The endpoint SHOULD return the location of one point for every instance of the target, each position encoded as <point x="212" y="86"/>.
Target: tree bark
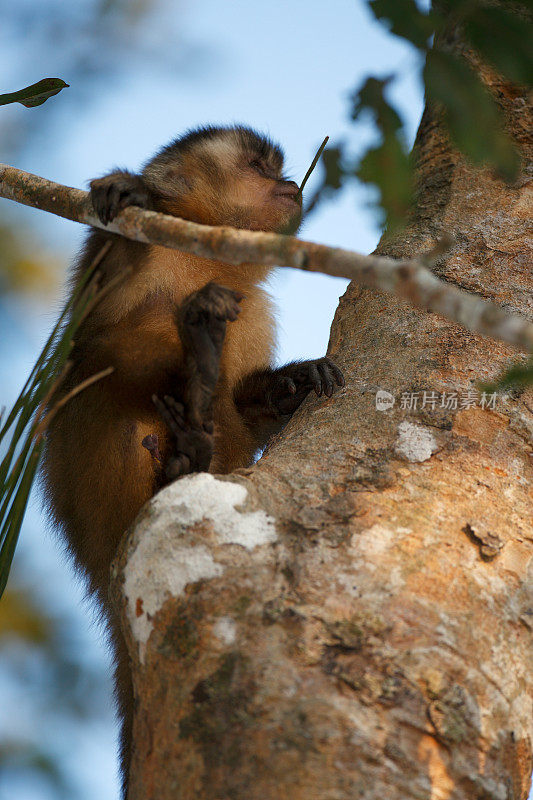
<point x="352" y="617"/>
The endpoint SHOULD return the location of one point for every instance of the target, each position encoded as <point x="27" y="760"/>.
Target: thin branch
<point x="48" y="417"/>
<point x="314" y="162"/>
<point x="408" y="279"/>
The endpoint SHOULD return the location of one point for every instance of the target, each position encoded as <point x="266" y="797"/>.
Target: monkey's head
<point x="226" y="176"/>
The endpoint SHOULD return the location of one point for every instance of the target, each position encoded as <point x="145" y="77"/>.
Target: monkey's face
<point x="231" y="179"/>
<point x="259" y="198"/>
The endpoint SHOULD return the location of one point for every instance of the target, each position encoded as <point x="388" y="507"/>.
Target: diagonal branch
<point x="408" y="279"/>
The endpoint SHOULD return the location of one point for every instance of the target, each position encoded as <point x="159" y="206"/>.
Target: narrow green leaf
<point x="16" y="515"/>
<point x="472" y="117"/>
<point x="19" y="464"/>
<point x="36" y="94"/>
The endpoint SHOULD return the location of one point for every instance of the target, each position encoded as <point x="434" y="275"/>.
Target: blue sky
<point x="288" y="69"/>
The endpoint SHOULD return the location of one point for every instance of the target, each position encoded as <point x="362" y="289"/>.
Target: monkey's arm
<point x="267" y="398"/>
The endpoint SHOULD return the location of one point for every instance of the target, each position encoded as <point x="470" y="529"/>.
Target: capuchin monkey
<point x="191" y="343"/>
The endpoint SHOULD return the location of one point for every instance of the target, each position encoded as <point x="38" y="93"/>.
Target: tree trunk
<point x="352" y="617"/>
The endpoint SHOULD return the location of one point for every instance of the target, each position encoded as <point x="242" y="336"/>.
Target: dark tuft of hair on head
<point x="252" y="141"/>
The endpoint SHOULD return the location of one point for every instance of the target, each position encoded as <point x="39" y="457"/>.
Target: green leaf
<point x="370" y="97"/>
<point x="518" y="375"/>
<point x="19" y="464"/>
<point x="472" y="117"/>
<point x="504" y="40"/>
<point x="405" y="19"/>
<point x="36" y="94"/>
<point x="333" y="170"/>
<point x="387" y="166"/>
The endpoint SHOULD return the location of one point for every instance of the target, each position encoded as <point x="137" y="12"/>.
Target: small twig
<point x="408" y="279"/>
<point x="101" y="293"/>
<point x="97" y="260"/>
<point x="314" y="162"/>
<point x="48" y="417"/>
<point x="52" y="390"/>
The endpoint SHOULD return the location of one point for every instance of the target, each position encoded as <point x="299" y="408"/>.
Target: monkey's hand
<point x="267" y="398"/>
<point x="116" y="191"/>
<point x="291" y="384"/>
<point x="193" y="448"/>
<point x="202" y="322"/>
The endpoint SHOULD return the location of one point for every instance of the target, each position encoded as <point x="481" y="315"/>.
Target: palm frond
<point x="25" y="424"/>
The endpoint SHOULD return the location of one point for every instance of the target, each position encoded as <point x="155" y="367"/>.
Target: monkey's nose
<point x="288" y="189"/>
<point x="293" y="186"/>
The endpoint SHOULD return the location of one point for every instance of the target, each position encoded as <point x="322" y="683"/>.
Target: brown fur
<point x="96" y="473"/>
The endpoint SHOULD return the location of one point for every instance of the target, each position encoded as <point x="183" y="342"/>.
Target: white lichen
<point x="414" y="442"/>
<point x="203" y="496"/>
<point x="225" y="630"/>
<point x="163" y="559"/>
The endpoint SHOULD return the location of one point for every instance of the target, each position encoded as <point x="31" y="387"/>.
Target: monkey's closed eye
<point x="263" y="169"/>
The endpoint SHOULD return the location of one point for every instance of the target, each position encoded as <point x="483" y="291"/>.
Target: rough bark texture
<point x="352" y="618"/>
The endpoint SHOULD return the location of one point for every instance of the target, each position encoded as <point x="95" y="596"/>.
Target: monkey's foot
<point x="193" y="448"/>
<point x="292" y="384"/>
<point x="205" y="313"/>
<point x="112" y="193"/>
<point x="202" y="321"/>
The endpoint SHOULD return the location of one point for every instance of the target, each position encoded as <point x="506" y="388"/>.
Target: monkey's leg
<point x="267" y="398"/>
<point x="202" y="319"/>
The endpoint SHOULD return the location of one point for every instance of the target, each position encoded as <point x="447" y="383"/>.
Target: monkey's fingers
<point x="337" y="373"/>
<point x="177" y="466"/>
<point x="210" y="301"/>
<point x="315" y="378"/>
<point x="177" y="411"/>
<point x="223" y="302"/>
<point x="287" y="394"/>
<point x="167" y="413"/>
<point x="112" y="193"/>
<point x="325" y="372"/>
<point x="327" y="377"/>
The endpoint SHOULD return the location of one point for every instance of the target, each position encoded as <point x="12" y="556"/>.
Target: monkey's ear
<point x="166" y="179"/>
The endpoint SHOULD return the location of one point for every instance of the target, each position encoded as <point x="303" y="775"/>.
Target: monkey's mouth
<point x="290" y="198"/>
